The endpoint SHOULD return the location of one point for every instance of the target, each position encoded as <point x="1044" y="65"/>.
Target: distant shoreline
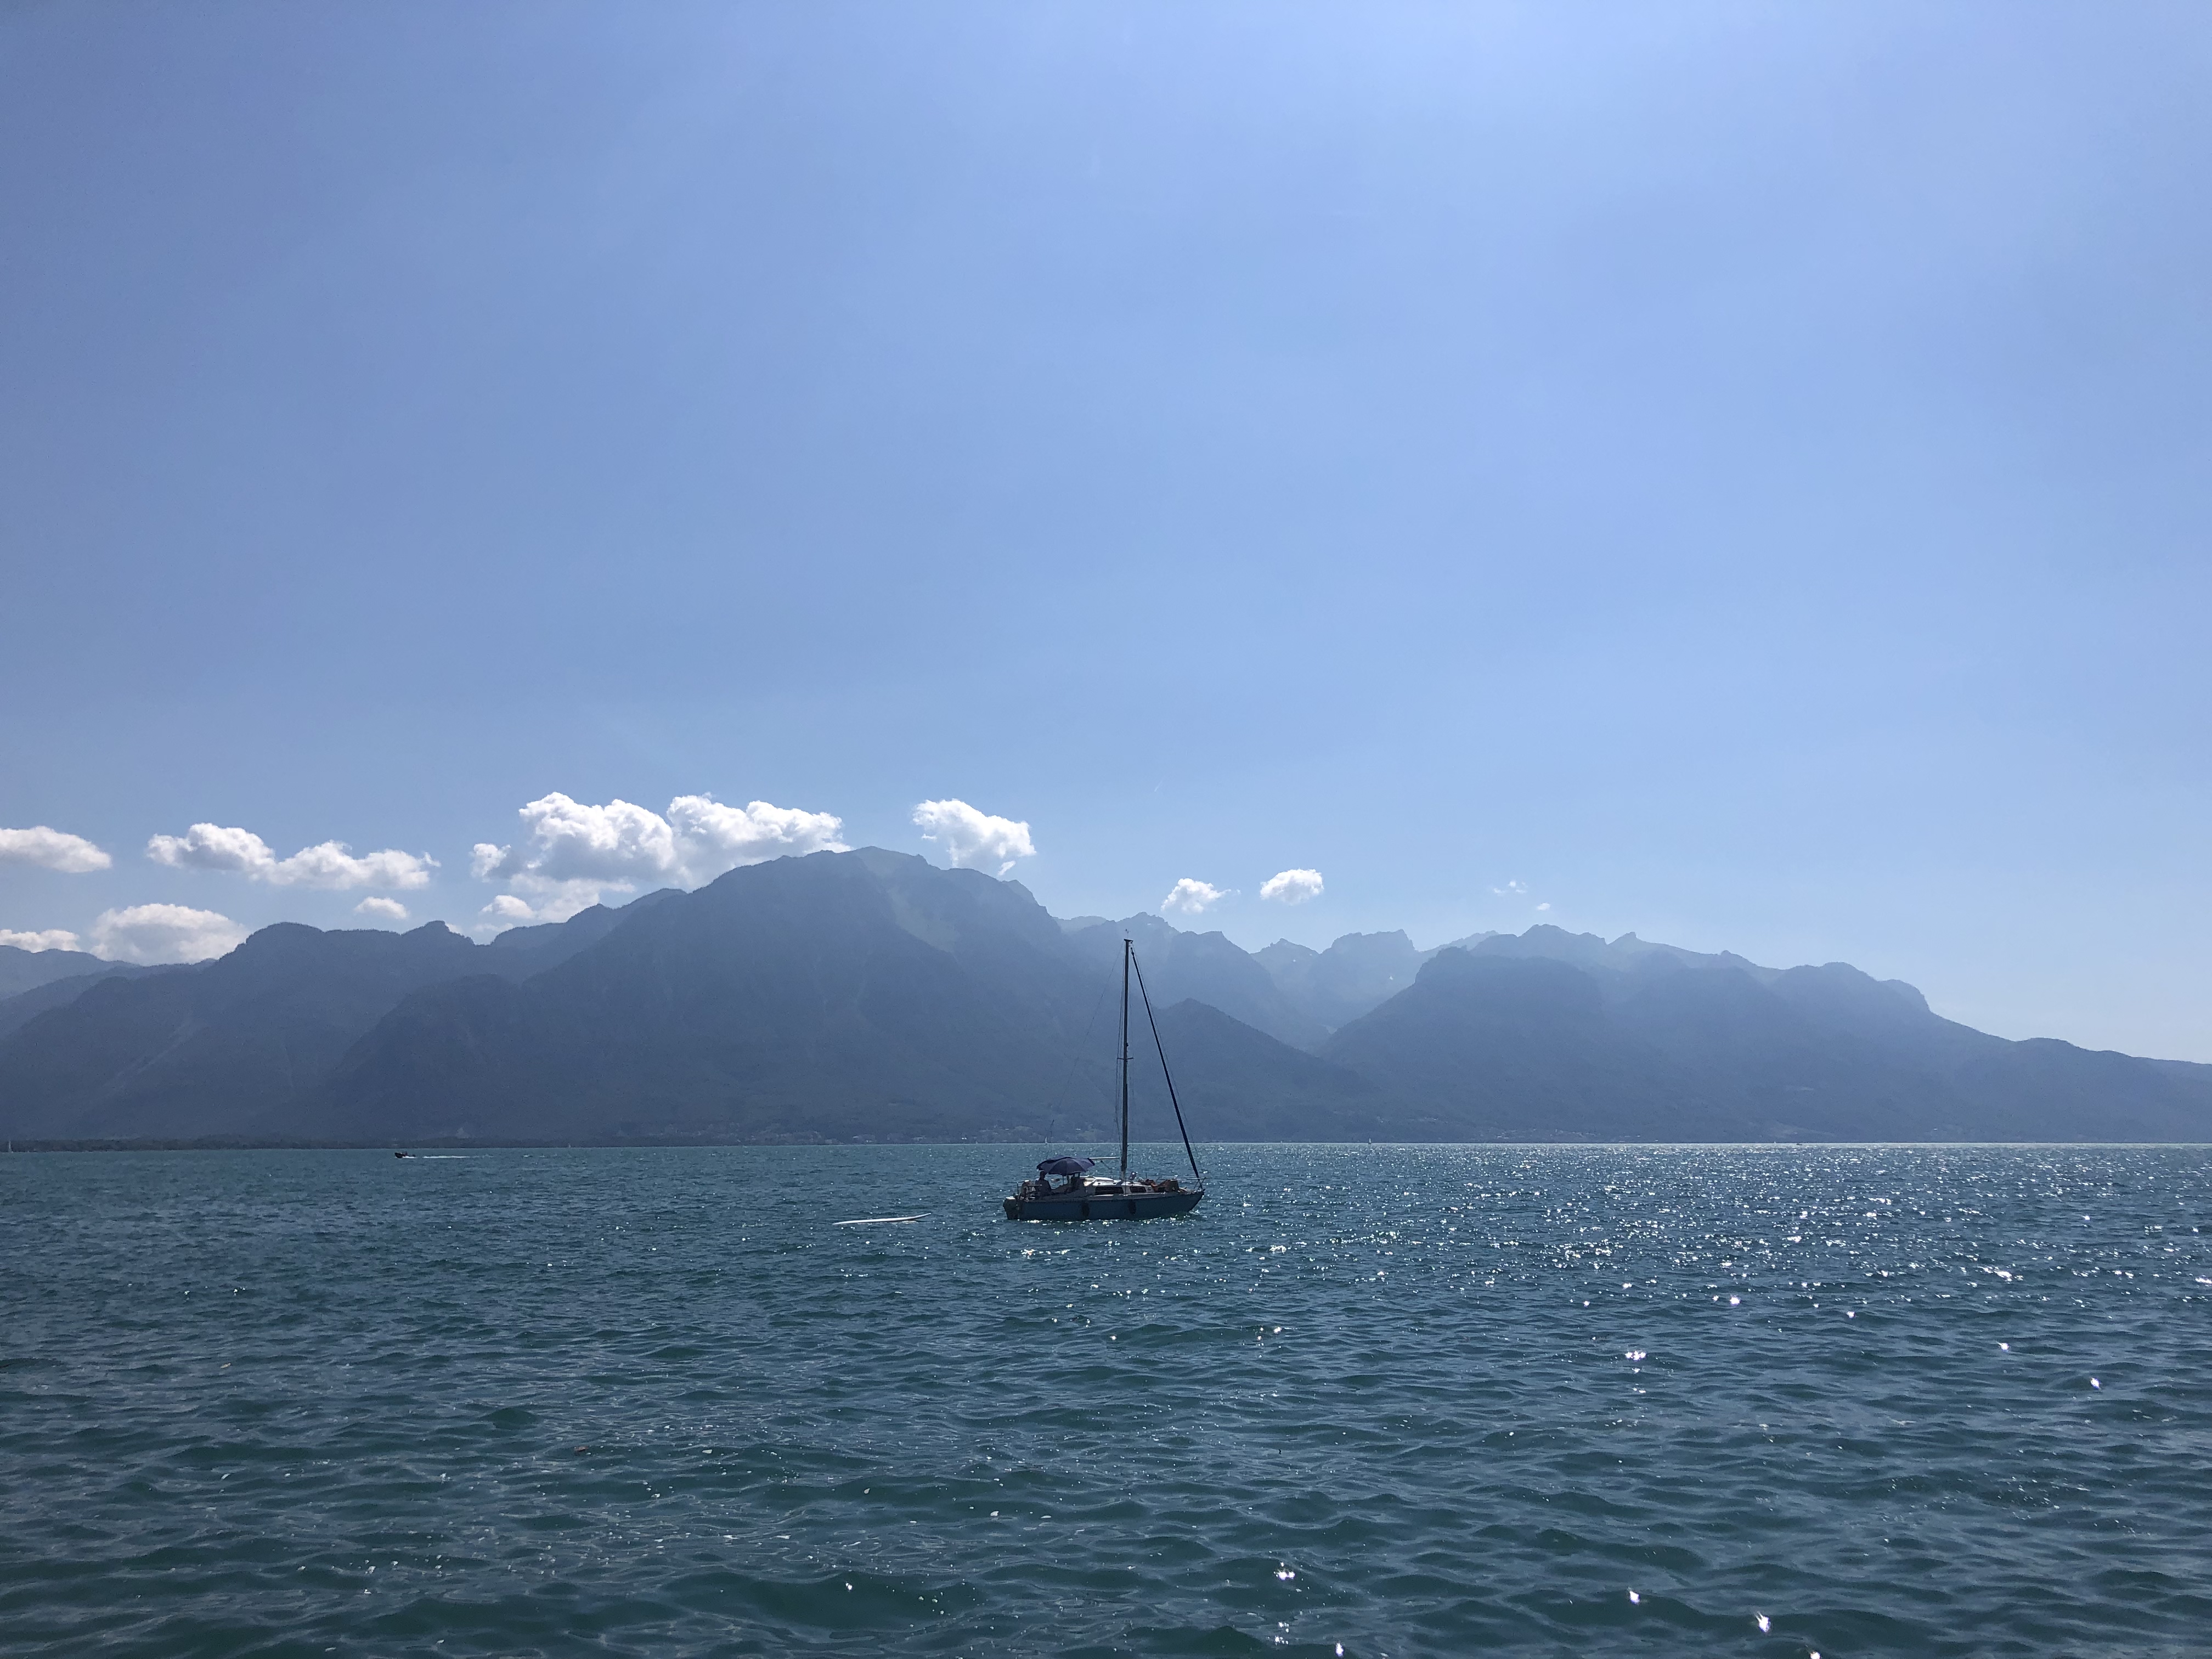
<point x="238" y="1143"/>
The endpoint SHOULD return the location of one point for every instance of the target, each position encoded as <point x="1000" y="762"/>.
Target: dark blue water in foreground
<point x="1411" y="1400"/>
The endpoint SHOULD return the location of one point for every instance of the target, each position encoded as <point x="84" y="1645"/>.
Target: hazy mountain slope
<point x="1528" y="1044"/>
<point x="22" y="970"/>
<point x="1238" y="1084"/>
<point x="1503" y="1049"/>
<point x="2190" y="1071"/>
<point x="1466" y="943"/>
<point x="1235" y="1083"/>
<point x="230" y="1046"/>
<point x="1287" y="963"/>
<point x="522" y="951"/>
<point x="1588" y="950"/>
<point x="20" y="1010"/>
<point x="1357" y="973"/>
<point x="1206" y="967"/>
<point x="861" y="993"/>
<point x="2044" y="1089"/>
<point x="216" y="1050"/>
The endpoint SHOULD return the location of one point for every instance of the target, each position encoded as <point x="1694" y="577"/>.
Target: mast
<point x="1127" y="947"/>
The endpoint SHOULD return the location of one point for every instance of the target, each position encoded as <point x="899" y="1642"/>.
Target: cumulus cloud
<point x="390" y="908"/>
<point x="546" y="901"/>
<point x="163" y="932"/>
<point x="1192" y="897"/>
<point x="712" y="837"/>
<point x="52" y="849"/>
<point x="1546" y="905"/>
<point x="973" y="840"/>
<point x="51" y="938"/>
<point x="1291" y="886"/>
<point x="565" y="839"/>
<point x="329" y="864"/>
<point x="570" y="851"/>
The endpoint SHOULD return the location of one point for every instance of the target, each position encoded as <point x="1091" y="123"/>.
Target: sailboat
<point x="1082" y="1196"/>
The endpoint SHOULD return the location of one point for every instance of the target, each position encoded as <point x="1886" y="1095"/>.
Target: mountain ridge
<point x="872" y="996"/>
<point x="22" y="970"/>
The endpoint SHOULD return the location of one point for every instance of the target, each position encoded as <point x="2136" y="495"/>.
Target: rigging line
<point x="1196" y="1174"/>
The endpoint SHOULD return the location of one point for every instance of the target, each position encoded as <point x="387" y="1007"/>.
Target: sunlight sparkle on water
<point x="647" y="1350"/>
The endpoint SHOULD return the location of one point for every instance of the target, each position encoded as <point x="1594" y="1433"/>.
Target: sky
<point x="1736" y="473"/>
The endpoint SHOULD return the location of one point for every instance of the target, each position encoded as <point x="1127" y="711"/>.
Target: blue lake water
<point x="1409" y="1400"/>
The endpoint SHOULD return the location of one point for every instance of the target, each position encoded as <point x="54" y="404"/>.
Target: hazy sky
<point x="1739" y="473"/>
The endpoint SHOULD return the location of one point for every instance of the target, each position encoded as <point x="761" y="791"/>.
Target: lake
<point x="1370" y="1400"/>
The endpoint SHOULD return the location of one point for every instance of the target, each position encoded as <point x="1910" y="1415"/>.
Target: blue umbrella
<point x="1066" y="1166"/>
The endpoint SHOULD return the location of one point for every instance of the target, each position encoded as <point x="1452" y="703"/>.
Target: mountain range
<point x="871" y="995"/>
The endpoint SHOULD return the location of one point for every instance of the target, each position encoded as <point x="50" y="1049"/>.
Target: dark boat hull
<point x="1101" y="1206"/>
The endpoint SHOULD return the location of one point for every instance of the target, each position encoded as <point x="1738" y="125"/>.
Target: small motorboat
<point x="1079" y="1196"/>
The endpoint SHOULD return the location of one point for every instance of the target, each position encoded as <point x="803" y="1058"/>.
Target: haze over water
<point x="1404" y="1400"/>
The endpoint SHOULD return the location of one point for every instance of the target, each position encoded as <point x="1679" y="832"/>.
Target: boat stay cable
<point x="1196" y="1173"/>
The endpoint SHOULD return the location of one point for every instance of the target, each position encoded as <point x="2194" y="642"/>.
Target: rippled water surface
<point x="1405" y="1399"/>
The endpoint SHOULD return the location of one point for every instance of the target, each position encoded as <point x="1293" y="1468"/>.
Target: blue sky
<point x="1738" y="473"/>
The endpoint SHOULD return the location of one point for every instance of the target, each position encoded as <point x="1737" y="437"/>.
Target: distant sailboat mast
<point x="1128" y="947"/>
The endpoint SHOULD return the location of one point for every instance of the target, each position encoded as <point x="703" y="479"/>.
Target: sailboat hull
<point x="1101" y="1206"/>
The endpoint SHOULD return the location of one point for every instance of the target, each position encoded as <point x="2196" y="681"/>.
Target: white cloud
<point x="712" y="837"/>
<point x="570" y="852"/>
<point x="1291" y="886"/>
<point x="550" y="900"/>
<point x="51" y="938"/>
<point x="618" y="844"/>
<point x="163" y="932"/>
<point x="390" y="908"/>
<point x="1546" y="905"/>
<point x="1192" y="897"/>
<point x="211" y="846"/>
<point x="973" y="839"/>
<point x="52" y="849"/>
<point x="329" y="864"/>
<point x="565" y="839"/>
<point x="1512" y="889"/>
